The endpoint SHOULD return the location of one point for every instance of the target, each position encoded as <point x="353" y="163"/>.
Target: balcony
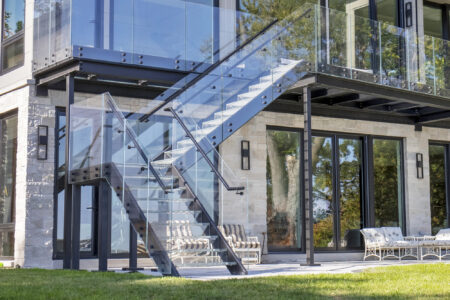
<point x="180" y="35"/>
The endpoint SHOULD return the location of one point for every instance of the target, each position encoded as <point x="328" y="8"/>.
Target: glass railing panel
<point x="334" y="56"/>
<point x="392" y="55"/>
<point x="87" y="133"/>
<point x="363" y="49"/>
<point x="442" y="66"/>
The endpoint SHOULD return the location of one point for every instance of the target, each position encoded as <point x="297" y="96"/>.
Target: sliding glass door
<point x="439" y="186"/>
<point x="284" y="227"/>
<point x="337" y="192"/>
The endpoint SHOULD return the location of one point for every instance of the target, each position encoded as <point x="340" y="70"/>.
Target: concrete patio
<point x="263" y="270"/>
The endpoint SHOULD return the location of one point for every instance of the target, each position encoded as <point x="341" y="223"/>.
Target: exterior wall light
<point x="245" y="155"/>
<point x="419" y="165"/>
<point x="42" y="148"/>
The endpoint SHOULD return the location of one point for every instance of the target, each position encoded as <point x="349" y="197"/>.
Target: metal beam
<point x="307" y="166"/>
<point x="349" y="97"/>
<point x="381" y="91"/>
<point x="434" y="117"/>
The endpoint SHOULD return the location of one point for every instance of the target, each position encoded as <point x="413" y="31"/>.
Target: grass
<point x="405" y="282"/>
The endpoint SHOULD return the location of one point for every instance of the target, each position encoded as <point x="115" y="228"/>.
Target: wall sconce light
<point x="42" y="142"/>
<point x="245" y="155"/>
<point x="419" y="165"/>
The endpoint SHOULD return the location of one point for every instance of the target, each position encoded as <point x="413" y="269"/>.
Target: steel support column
<point x="103" y="212"/>
<point x="70" y="87"/>
<point x="76" y="218"/>
<point x="307" y="166"/>
<point x="132" y="266"/>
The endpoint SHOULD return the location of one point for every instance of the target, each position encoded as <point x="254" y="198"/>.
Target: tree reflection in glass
<point x="323" y="209"/>
<point x="438" y="188"/>
<point x="350" y="192"/>
<point x="387" y="182"/>
<point x="283" y="189"/>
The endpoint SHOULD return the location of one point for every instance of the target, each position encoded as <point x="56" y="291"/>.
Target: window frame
<point x="446" y="146"/>
<point x="10" y="227"/>
<point x="445" y="11"/>
<point x="11" y="40"/>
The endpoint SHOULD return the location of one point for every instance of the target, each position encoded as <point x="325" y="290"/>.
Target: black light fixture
<point x="245" y="155"/>
<point x="42" y="148"/>
<point x="419" y="165"/>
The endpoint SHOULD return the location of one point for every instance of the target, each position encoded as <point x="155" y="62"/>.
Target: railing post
<point x="307" y="166"/>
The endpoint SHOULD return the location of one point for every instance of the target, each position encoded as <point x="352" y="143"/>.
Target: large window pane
<point x="432" y="21"/>
<point x="283" y="190"/>
<point x="323" y="208"/>
<point x="12" y="54"/>
<point x="350" y="204"/>
<point x="388" y="184"/>
<point x="7" y="243"/>
<point x="438" y="163"/>
<point x="13" y="17"/>
<point x="8" y="142"/>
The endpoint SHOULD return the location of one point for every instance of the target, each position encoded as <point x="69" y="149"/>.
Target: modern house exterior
<point x="141" y="129"/>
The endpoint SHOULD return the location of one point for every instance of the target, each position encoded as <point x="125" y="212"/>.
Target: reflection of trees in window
<point x="350" y="192"/>
<point x="387" y="182"/>
<point x="323" y="210"/>
<point x="283" y="189"/>
<point x="438" y="188"/>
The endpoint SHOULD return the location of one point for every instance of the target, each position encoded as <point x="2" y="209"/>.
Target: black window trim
<point x="445" y="9"/>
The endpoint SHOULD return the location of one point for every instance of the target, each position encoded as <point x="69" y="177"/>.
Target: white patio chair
<point x="405" y="246"/>
<point x="246" y="247"/>
<point x="373" y="242"/>
<point x="438" y="246"/>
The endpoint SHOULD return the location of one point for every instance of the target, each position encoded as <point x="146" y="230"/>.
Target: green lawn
<point x="406" y="282"/>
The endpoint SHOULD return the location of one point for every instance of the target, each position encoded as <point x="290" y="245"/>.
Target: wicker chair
<point x="438" y="246"/>
<point x="246" y="247"/>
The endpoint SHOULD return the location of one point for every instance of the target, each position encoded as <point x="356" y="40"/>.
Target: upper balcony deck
<point x="179" y="35"/>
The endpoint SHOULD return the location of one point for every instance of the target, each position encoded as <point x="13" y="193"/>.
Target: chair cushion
<point x="373" y="236"/>
<point x="435" y="243"/>
<point x="247" y="244"/>
<point x="192" y="244"/>
<point x="235" y="231"/>
<point x="443" y="235"/>
<point x="393" y="234"/>
<point x="402" y="244"/>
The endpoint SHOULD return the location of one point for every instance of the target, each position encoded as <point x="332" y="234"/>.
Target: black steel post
<point x="103" y="211"/>
<point x="132" y="266"/>
<point x="76" y="214"/>
<point x="70" y="87"/>
<point x="307" y="166"/>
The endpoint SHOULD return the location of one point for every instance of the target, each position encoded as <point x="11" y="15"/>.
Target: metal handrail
<point x="133" y="138"/>
<point x="202" y="152"/>
<point x="206" y="72"/>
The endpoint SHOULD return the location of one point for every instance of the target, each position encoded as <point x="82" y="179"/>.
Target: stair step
<point x="167" y="162"/>
<point x="175" y="153"/>
<point x="238" y="104"/>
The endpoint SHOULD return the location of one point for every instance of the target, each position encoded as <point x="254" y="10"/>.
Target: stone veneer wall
<point x="417" y="191"/>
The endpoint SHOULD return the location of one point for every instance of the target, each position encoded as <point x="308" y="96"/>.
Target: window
<point x="388" y="182"/>
<point x="12" y="38"/>
<point x="8" y="146"/>
<point x="439" y="185"/>
<point x="283" y="190"/>
<point x="436" y="20"/>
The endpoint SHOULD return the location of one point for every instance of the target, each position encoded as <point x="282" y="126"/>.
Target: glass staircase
<point x="161" y="158"/>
